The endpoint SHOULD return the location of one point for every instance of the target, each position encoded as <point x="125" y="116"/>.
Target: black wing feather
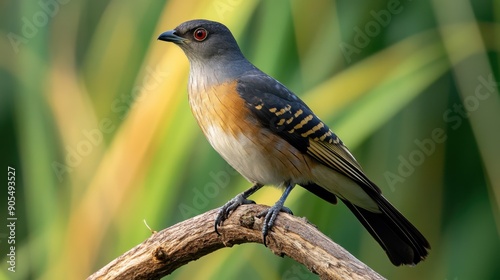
<point x="280" y="110"/>
<point x="275" y="106"/>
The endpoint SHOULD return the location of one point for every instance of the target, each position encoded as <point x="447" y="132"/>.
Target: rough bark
<point x="192" y="239"/>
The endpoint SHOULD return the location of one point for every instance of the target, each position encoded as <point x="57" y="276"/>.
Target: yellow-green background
<point x="86" y="69"/>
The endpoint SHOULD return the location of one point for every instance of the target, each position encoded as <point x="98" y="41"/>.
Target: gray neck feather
<point x="215" y="71"/>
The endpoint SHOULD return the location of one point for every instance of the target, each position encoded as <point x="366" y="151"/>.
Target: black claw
<point x="234" y="203"/>
<point x="227" y="208"/>
<point x="270" y="216"/>
<point x="286" y="210"/>
<point x="272" y="213"/>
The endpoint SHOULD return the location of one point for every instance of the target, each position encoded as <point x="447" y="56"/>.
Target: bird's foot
<point x="230" y="206"/>
<point x="234" y="203"/>
<point x="270" y="216"/>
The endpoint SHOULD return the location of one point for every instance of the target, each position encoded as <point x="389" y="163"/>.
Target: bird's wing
<point x="278" y="109"/>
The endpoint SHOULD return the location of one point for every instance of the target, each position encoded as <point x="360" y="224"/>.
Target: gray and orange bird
<point x="271" y="137"/>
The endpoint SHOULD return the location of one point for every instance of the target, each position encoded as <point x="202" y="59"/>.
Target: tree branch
<point x="171" y="248"/>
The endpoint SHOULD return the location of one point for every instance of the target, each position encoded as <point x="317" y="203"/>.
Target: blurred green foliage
<point x="95" y="121"/>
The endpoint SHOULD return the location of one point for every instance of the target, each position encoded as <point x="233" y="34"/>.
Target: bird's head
<point x="203" y="41"/>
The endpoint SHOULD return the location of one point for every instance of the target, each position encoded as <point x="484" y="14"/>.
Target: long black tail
<point x="402" y="242"/>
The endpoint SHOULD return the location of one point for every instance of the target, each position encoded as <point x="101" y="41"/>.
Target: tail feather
<point x="402" y="242"/>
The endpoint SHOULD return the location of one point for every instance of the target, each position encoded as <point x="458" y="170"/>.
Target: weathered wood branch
<point x="192" y="239"/>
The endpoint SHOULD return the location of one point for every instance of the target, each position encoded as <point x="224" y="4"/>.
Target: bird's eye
<point x="200" y="34"/>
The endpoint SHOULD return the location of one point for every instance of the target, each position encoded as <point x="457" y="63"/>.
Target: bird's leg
<point x="272" y="213"/>
<point x="232" y="204"/>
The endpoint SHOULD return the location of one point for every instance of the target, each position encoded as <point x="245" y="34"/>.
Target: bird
<point x="271" y="137"/>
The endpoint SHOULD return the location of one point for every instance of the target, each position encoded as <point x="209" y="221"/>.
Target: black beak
<point x="170" y="36"/>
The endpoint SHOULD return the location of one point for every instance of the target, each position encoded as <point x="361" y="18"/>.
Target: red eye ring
<point x="200" y="34"/>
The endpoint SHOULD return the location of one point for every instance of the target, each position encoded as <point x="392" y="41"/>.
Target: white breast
<point x="245" y="156"/>
<point x="255" y="152"/>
